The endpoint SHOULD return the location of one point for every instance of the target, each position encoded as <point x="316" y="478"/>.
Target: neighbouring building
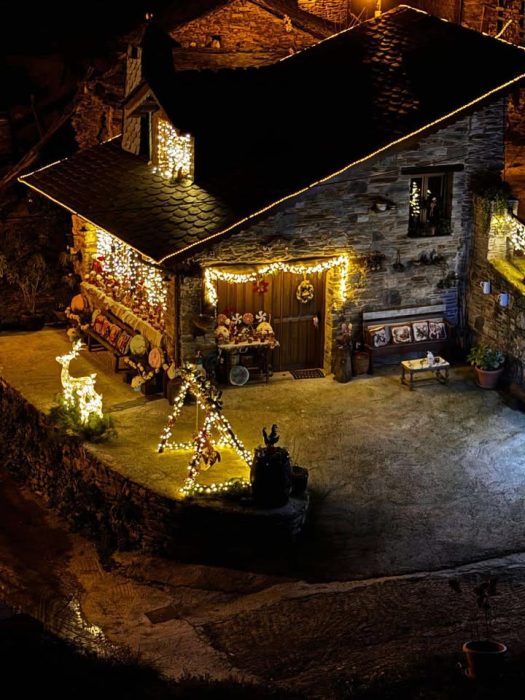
<point x="347" y="166"/>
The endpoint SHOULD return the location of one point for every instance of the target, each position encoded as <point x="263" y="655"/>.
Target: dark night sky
<point x="73" y="28"/>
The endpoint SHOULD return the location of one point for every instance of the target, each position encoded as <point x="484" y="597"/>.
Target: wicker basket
<point x="360" y="362"/>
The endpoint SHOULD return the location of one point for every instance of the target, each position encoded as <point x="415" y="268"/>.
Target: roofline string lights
<point x="212" y="274"/>
<point x="353" y="164"/>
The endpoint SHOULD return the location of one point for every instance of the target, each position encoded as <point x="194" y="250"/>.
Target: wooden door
<point x="301" y="341"/>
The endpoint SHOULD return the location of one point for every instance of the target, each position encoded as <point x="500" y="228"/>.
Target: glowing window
<point x="174" y="152"/>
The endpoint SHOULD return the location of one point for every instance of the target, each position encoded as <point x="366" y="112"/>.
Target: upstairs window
<point x="430" y="196"/>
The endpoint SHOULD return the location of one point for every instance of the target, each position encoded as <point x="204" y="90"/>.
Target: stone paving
<point x="408" y="487"/>
<point x="401" y="481"/>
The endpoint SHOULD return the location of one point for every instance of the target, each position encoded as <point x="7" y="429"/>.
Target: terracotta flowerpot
<point x="488" y="379"/>
<point x="484" y="659"/>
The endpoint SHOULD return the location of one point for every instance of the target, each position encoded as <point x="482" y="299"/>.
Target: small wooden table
<point x="253" y="356"/>
<point x="439" y="369"/>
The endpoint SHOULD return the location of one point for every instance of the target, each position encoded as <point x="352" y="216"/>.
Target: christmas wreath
<point x="305" y="291"/>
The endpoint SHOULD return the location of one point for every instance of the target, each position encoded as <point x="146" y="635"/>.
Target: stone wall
<point x="243" y="27"/>
<point x="119" y="513"/>
<point x="337" y="11"/>
<point x="339" y="216"/>
<point x="489" y="323"/>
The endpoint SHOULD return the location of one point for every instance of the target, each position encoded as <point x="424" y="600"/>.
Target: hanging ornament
<point x="260" y="286"/>
<point x="305" y="291"/>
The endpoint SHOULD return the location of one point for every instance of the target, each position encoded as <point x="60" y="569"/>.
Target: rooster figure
<point x="273" y="438"/>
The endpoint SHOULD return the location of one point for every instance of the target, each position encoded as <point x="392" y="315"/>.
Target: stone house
<point x="328" y="167"/>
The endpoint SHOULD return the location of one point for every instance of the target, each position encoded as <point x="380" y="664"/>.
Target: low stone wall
<point x="119" y="513"/>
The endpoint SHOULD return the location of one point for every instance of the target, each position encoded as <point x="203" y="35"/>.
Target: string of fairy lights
<point x="212" y="274"/>
<point x="517" y="235"/>
<point x="79" y="392"/>
<point x="174" y="152"/>
<point x="128" y="267"/>
<point x="209" y="399"/>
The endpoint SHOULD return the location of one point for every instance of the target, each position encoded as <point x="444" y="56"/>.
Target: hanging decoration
<point x="305" y="291"/>
<point x="260" y="286"/>
<point x="125" y="275"/>
<point x="204" y="450"/>
<point x="79" y="392"/>
<point x="212" y="274"/>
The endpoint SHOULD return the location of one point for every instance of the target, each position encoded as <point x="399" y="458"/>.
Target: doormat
<point x="159" y="615"/>
<point x="307" y="373"/>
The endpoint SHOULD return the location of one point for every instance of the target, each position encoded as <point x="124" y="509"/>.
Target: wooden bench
<point x="406" y="316"/>
<point x="96" y="343"/>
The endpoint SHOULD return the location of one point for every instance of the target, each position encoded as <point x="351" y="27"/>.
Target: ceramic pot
<point x="484" y="659"/>
<point x="488" y="379"/>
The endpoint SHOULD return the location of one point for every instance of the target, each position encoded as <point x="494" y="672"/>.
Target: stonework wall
<point x="339" y="216"/>
<point x="337" y="11"/>
<point x="121" y="514"/>
<point x="489" y="323"/>
<point x="243" y="27"/>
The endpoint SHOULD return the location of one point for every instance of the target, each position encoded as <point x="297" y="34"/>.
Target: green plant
<point x="494" y="191"/>
<point x="485" y="358"/>
<point x="97" y="429"/>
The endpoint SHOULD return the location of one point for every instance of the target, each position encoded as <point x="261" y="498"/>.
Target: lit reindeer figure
<point x="79" y="392"/>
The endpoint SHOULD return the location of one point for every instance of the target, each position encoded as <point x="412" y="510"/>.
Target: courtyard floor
<point x="401" y="481"/>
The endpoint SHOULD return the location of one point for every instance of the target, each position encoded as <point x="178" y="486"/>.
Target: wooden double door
<point x="301" y="340"/>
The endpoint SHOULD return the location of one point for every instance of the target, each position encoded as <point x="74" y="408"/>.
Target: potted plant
<point x="484" y="655"/>
<point x="488" y="363"/>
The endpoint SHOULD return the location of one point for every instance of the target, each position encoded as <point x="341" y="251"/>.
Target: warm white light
<point x="126" y="274"/>
<point x="79" y="392"/>
<point x="211" y="274"/>
<point x="174" y="152"/>
<point x="209" y="401"/>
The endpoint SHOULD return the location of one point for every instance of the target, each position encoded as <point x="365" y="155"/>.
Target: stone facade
<point x="121" y="514"/>
<point x="337" y="11"/>
<point x="241" y="27"/>
<point x="500" y="327"/>
<point x="339" y="216"/>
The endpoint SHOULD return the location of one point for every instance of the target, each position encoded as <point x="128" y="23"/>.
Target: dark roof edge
<point x="380" y="151"/>
<point x="23" y="181"/>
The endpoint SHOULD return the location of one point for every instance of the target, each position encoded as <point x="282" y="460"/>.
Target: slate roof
<point x="119" y="192"/>
<point x="264" y="134"/>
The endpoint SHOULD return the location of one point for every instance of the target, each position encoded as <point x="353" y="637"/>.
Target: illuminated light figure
<point x="79" y="392"/>
<point x="209" y="400"/>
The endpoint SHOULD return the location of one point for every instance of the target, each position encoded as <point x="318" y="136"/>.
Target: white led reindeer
<point x="79" y="391"/>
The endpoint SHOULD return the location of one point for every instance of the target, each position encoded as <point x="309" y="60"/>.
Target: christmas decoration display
<point x="241" y="328"/>
<point x="212" y="274"/>
<point x="260" y="286"/>
<point x="79" y="392"/>
<point x="174" y="152"/>
<point x="271" y="472"/>
<point x="305" y="291"/>
<point x="127" y="277"/>
<point x="204" y="450"/>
